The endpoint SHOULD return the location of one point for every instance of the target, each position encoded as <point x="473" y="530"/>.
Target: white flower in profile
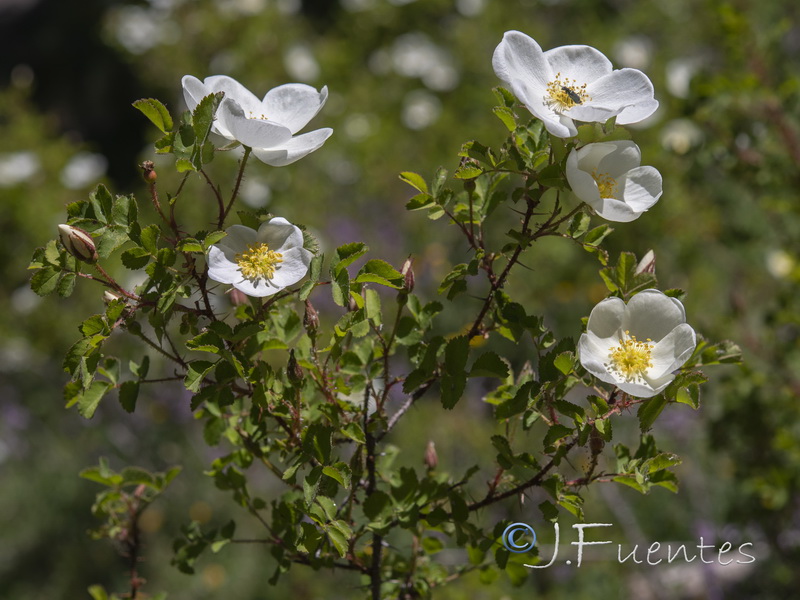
<point x="267" y="126"/>
<point x="571" y="82"/>
<point x="637" y="346"/>
<point x="260" y="263"/>
<point x="607" y="176"/>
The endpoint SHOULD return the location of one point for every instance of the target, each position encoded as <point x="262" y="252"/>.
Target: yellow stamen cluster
<point x="605" y="183"/>
<point x="259" y="261"/>
<point x="564" y="94"/>
<point x="631" y="359"/>
<point x="262" y="117"/>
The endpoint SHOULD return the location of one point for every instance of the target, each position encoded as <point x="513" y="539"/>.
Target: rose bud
<point x="647" y="264"/>
<point x="237" y="297"/>
<point x="431" y="458"/>
<point x="78" y="243"/>
<point x="408" y="274"/>
<point x="311" y="318"/>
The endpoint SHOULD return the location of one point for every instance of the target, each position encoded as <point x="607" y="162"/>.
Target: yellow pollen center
<point x="631" y="359"/>
<point x="261" y="117"/>
<point x="563" y="94"/>
<point x="605" y="183"/>
<point x="258" y="261"/>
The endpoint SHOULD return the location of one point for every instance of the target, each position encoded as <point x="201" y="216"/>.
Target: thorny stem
<point x="224" y="214"/>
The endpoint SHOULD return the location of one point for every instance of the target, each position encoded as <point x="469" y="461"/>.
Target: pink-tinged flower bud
<point x="431" y="458"/>
<point x="311" y="318"/>
<point x="647" y="264"/>
<point x="78" y="243"/>
<point x="149" y="171"/>
<point x="237" y="297"/>
<point x="408" y="275"/>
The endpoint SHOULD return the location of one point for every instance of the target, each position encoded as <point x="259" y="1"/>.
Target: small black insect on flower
<point x="572" y="95"/>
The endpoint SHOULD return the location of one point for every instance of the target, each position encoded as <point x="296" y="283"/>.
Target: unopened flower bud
<point x="237" y="297"/>
<point x="149" y="171"/>
<point x="109" y="296"/>
<point x="408" y="275"/>
<point x="311" y="318"/>
<point x="647" y="264"/>
<point x="431" y="458"/>
<point x="293" y="370"/>
<point x="78" y="243"/>
<point x="351" y="305"/>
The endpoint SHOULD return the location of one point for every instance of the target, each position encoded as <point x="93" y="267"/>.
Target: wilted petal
<point x="255" y="133"/>
<point x="294" y="149"/>
<point x="293" y="105"/>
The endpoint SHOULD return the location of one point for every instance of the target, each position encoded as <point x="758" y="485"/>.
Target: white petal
<point x="672" y="351"/>
<point x="235" y="91"/>
<point x="255" y="133"/>
<point x="638" y="112"/>
<point x="584" y="64"/>
<point x="558" y="125"/>
<point x="194" y="90"/>
<point x="519" y="57"/>
<point x="294" y="149"/>
<point x="582" y="183"/>
<point x="221" y="265"/>
<point x="617" y="211"/>
<point x="294" y="104"/>
<point x="644" y="390"/>
<point x="624" y="157"/>
<point x="258" y="288"/>
<point x="652" y="314"/>
<point x="593" y="358"/>
<point x="293" y="268"/>
<point x="591" y="113"/>
<point x="641" y="188"/>
<point x="280" y="235"/>
<point x="238" y="238"/>
<point x="607" y="318"/>
<point x="620" y="89"/>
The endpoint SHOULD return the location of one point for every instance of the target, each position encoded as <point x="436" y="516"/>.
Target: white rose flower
<point x="571" y="82"/>
<point x="607" y="176"/>
<point x="637" y="346"/>
<point x="260" y="263"/>
<point x="267" y="126"/>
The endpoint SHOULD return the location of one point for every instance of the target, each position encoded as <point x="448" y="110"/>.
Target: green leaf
<point x="597" y="235"/>
<point x="468" y="172"/>
<point x="196" y="372"/>
<point x="489" y="364"/>
<point x="66" y="285"/>
<point x="338" y="539"/>
<point x="454" y="379"/>
<point x="44" y="281"/>
<point x="415" y="180"/>
<point x="345" y="255"/>
<point x="506" y="115"/>
<point x="128" y="393"/>
<point x="339" y="474"/>
<point x="381" y="272"/>
<point x="156" y="112"/>
<point x="648" y="412"/>
<point x="89" y="400"/>
<point x="555" y="433"/>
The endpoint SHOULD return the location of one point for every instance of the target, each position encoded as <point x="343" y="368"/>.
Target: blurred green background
<point x="409" y="82"/>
